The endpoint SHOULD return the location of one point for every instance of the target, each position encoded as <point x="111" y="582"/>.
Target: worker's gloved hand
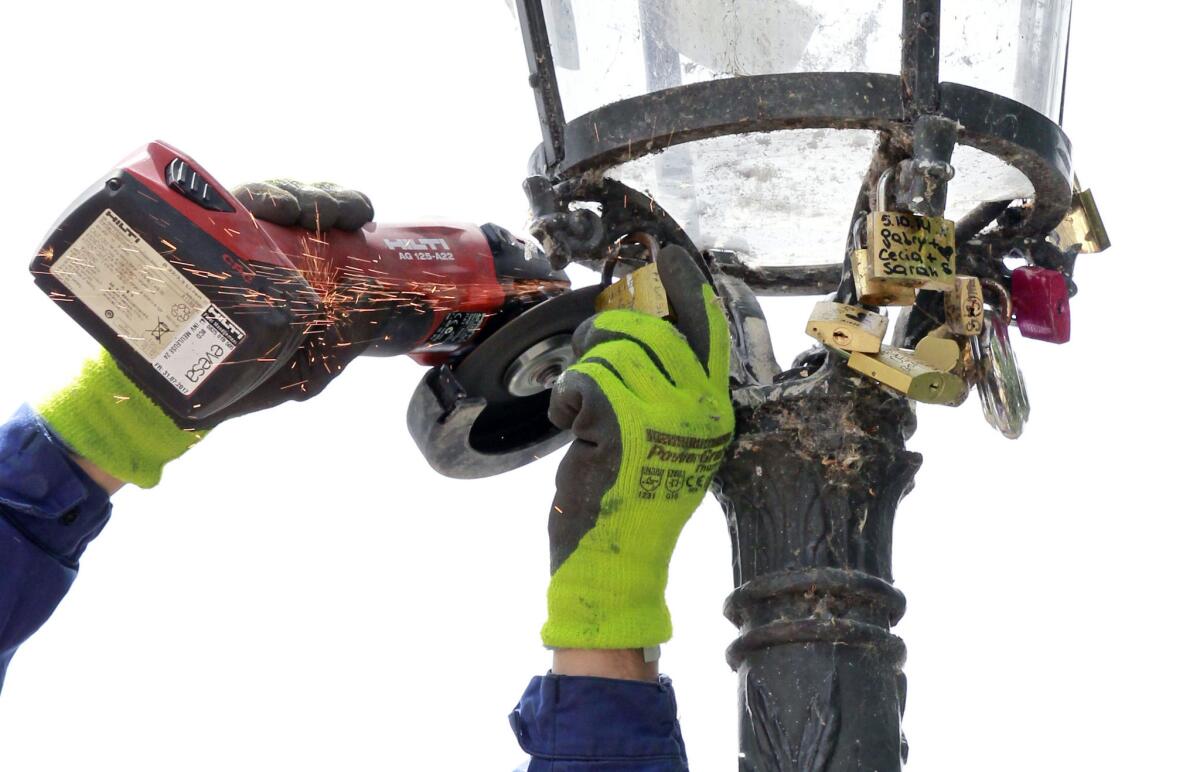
<point x="649" y="405"/>
<point x="316" y="207"/>
<point x="338" y="328"/>
<point x="106" y="419"/>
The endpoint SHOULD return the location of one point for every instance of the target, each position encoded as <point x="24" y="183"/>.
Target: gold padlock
<point x="911" y="250"/>
<point x="939" y="353"/>
<point x="942" y="350"/>
<point x="965" y="366"/>
<point x="964" y="306"/>
<point x="847" y="327"/>
<point x="916" y="380"/>
<point x="1082" y="226"/>
<point x="877" y="292"/>
<point x="642" y="290"/>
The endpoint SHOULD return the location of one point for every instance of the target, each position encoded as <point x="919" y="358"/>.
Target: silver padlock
<point x="1001" y="385"/>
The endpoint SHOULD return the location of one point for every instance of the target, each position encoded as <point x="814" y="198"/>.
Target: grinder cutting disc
<point x="514" y="368"/>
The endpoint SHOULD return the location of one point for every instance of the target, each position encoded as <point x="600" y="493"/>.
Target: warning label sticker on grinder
<point x="147" y="302"/>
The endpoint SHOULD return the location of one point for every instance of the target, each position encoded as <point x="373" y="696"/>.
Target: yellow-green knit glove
<point x="649" y="405"/>
<point x="110" y="422"/>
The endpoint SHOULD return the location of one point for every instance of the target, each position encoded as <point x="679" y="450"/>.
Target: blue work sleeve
<point x="585" y="724"/>
<point x="49" y="510"/>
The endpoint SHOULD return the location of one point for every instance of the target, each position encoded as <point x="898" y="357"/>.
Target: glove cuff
<point x="106" y="419"/>
<point x="611" y="605"/>
<point x="634" y="628"/>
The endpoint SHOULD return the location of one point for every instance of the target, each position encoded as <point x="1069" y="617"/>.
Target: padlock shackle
<point x="858" y="232"/>
<point x="881" y="189"/>
<point x="999" y="288"/>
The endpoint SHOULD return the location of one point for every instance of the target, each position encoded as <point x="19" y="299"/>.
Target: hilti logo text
<point x="417" y="245"/>
<point x="117" y="221"/>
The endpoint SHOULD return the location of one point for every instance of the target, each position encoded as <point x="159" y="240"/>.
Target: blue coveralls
<point x="50" y="510"/>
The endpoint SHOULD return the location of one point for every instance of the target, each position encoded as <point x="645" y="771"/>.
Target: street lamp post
<point x="753" y="133"/>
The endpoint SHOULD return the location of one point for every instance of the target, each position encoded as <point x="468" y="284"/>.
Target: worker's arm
<point x="50" y="508"/>
<point x="649" y="406"/>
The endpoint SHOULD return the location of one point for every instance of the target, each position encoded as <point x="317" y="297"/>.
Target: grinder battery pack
<point x="199" y="302"/>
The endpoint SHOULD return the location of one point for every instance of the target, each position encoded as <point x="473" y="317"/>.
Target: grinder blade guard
<point x="487" y="414"/>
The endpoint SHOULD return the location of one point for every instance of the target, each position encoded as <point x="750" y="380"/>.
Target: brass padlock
<point x="847" y="327"/>
<point x="939" y="353"/>
<point x="642" y="290"/>
<point x="909" y="249"/>
<point x="912" y="250"/>
<point x="1082" y="226"/>
<point x="874" y="292"/>
<point x="965" y="366"/>
<point x="905" y="373"/>
<point x="964" y="306"/>
<point x="943" y="350"/>
<point x="877" y="292"/>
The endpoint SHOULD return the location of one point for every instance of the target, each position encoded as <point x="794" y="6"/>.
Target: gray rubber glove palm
<point x="332" y="339"/>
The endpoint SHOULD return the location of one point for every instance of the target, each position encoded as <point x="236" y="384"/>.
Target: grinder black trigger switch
<point x="189" y="183"/>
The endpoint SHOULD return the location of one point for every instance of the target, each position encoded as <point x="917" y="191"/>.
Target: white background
<point x="302" y="592"/>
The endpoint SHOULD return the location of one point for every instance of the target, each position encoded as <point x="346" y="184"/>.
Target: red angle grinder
<point x="199" y="302"/>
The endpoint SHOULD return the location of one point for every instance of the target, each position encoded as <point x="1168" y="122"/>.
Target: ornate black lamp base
<point x="810" y="490"/>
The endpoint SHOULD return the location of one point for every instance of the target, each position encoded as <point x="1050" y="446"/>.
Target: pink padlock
<point x="1042" y="304"/>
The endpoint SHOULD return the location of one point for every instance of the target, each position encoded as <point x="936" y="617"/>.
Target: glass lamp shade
<point x="786" y="197"/>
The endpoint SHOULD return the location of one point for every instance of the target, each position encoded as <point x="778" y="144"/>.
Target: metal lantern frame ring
<point x="818" y="467"/>
<point x="628" y="129"/>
